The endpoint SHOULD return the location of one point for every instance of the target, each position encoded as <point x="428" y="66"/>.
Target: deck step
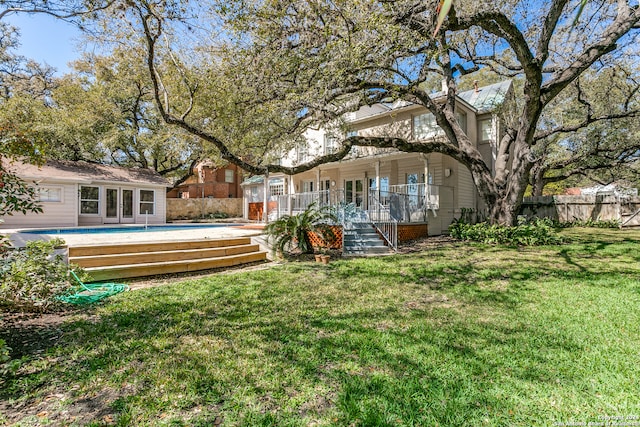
<point x="155" y="268"/>
<point x="119" y="261"/>
<point x="159" y="256"/>
<point x="122" y="248"/>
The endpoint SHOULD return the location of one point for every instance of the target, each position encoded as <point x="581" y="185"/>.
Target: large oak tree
<point x="294" y="63"/>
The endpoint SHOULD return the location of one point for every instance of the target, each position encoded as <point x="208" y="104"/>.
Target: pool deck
<point x="215" y="232"/>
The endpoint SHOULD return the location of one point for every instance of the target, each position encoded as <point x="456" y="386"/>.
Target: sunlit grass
<point x="464" y="335"/>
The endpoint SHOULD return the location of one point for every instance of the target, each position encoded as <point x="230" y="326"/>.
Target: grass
<point x="466" y="335"/>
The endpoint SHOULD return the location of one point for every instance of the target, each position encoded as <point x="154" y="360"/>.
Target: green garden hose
<point x="92" y="292"/>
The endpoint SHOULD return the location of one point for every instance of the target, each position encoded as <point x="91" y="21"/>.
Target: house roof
<point x="259" y="179"/>
<point x="487" y="98"/>
<point x="84" y="172"/>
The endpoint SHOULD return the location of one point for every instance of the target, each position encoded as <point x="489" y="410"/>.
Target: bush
<point x="32" y="277"/>
<point x="591" y="223"/>
<point x="537" y="232"/>
<point x="218" y="215"/>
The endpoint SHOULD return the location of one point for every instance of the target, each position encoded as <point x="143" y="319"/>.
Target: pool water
<point x="125" y="229"/>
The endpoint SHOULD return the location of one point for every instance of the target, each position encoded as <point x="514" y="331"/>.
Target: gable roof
<point x="84" y="172"/>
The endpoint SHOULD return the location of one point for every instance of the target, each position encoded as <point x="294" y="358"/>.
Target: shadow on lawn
<point x="372" y="366"/>
<point x="282" y="354"/>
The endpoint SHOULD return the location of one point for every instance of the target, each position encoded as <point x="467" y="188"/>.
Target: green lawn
<point x="463" y="335"/>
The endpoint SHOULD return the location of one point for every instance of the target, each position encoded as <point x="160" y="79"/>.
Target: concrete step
<point x="122" y="248"/>
<point x="159" y="256"/>
<point x="367" y="251"/>
<point x="361" y="233"/>
<point x="183" y="266"/>
<point x="360" y="245"/>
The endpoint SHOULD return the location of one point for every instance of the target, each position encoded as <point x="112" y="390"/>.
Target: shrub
<point x="218" y="215"/>
<point x="32" y="277"/>
<point x="592" y="223"/>
<point x="536" y="232"/>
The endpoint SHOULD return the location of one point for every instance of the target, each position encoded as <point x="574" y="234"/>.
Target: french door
<point x="119" y="203"/>
<point x="354" y="192"/>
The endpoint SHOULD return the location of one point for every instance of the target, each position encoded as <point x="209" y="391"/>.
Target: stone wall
<point x="584" y="208"/>
<point x="199" y="208"/>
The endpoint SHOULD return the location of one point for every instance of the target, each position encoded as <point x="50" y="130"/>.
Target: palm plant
<point x="291" y="232"/>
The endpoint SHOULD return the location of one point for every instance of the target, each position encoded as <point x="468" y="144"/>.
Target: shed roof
<point x="84" y="172"/>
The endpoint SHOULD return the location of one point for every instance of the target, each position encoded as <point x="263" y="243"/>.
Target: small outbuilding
<point x="75" y="194"/>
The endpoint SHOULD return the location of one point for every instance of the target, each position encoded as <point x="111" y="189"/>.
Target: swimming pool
<point x="125" y="229"/>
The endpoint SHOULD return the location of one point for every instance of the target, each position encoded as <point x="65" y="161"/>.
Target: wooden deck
<point x="117" y="261"/>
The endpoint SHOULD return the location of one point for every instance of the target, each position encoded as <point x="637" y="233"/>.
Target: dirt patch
<point x="31" y="334"/>
<point x="426" y="243"/>
<point x="167" y="279"/>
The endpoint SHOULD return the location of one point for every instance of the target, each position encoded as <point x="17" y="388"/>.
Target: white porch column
<point x="292" y="191"/>
<point x="377" y="178"/>
<point x="265" y="199"/>
<point x="425" y="159"/>
<point x="245" y="203"/>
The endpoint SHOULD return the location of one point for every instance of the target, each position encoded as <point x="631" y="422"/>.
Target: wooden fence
<point x="625" y="209"/>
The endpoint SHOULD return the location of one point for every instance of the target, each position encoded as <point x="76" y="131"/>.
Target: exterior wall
<point x="66" y="213"/>
<point x="198" y="208"/>
<point x="158" y="217"/>
<point x="55" y="214"/>
<point x="214" y="185"/>
<point x="466" y="196"/>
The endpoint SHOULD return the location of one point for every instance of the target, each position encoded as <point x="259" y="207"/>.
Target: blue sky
<point x="46" y="39"/>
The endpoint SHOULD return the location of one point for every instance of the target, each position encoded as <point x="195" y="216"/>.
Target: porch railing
<point x="404" y="203"/>
<point x="385" y="224"/>
<point x="416" y="200"/>
<point x="293" y="204"/>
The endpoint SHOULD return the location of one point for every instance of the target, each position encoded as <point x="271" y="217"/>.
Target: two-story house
<point x="409" y="188"/>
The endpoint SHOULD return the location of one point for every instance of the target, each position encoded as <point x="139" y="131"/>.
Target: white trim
<point x="60" y="188"/>
<point x="140" y="202"/>
<point x="99" y="200"/>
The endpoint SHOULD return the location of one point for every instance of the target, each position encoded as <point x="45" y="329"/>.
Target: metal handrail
<point x="388" y="228"/>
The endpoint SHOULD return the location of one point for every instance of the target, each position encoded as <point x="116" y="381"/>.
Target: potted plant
<point x="292" y="232"/>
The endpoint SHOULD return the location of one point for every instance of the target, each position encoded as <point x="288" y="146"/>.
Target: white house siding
<point x="160" y="214"/>
<point x="160" y="211"/>
<point x="54" y="214"/>
<point x="439" y="222"/>
<point x="466" y="188"/>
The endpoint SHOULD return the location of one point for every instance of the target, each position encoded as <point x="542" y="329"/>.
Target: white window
<point x="50" y="194"/>
<point x="228" y="175"/>
<point x="302" y="153"/>
<point x="461" y="117"/>
<point x="330" y="144"/>
<point x="89" y="200"/>
<point x="147" y="202"/>
<point x="276" y="189"/>
<point x="354" y="148"/>
<point x="425" y="126"/>
<point x="307" y="186"/>
<point x="486" y="130"/>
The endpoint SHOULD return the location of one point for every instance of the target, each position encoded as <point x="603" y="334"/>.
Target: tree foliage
<point x="311" y="61"/>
